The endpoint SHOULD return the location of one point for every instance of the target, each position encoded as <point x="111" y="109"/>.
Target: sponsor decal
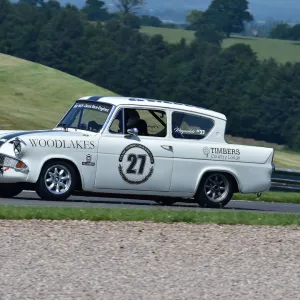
<point x="190" y="131"/>
<point x="17" y="134"/>
<point x="92" y="106"/>
<point x="88" y="161"/>
<point x="17" y="146"/>
<point x="53" y="143"/>
<point x="136" y="164"/>
<point x="222" y="153"/>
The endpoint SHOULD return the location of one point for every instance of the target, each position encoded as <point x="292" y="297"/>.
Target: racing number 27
<point x="133" y="158"/>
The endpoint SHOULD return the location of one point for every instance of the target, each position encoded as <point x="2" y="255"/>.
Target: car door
<point x="188" y="132"/>
<point x="142" y="162"/>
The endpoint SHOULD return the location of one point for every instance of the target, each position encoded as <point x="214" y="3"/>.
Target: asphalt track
<point x="31" y="199"/>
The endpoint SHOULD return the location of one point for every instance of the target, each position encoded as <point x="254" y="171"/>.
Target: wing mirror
<point x="133" y="131"/>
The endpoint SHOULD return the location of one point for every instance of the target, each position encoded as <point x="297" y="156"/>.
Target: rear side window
<point x="189" y="126"/>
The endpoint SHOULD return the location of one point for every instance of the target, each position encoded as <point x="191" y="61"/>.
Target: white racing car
<point x="140" y="147"/>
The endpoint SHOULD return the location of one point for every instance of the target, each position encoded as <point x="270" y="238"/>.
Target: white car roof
<point x="120" y="100"/>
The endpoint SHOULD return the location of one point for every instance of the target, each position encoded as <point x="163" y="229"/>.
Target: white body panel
<point x="177" y="167"/>
<point x="110" y="148"/>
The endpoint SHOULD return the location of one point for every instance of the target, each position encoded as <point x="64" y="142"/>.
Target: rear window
<point x="190" y="126"/>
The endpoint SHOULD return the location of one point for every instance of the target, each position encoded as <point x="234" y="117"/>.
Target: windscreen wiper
<point x="63" y="125"/>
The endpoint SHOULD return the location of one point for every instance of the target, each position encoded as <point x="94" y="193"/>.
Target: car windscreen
<point x="85" y="115"/>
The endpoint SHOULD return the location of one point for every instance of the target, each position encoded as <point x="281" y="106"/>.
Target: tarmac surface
<point x="29" y="198"/>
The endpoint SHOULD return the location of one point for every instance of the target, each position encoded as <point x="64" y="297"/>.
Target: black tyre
<point x="215" y="190"/>
<point x="57" y="181"/>
<point x="9" y="190"/>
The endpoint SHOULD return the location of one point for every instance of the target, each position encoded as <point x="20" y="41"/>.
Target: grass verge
<point x="279" y="197"/>
<point x="154" y="215"/>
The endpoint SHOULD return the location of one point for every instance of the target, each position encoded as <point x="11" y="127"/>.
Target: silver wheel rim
<point x="216" y="187"/>
<point x="57" y="180"/>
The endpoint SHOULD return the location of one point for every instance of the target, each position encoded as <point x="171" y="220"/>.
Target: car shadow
<point x="141" y="203"/>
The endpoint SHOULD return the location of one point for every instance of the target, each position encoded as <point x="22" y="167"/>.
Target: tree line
<point x="260" y="98"/>
<point x="284" y="31"/>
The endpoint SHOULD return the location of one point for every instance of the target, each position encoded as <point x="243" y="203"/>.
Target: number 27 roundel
<point x="136" y="164"/>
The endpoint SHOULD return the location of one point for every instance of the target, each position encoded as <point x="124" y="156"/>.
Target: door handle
<point x="167" y="147"/>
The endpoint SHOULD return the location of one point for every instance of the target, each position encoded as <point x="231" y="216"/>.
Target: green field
<point x="150" y="215"/>
<point x="282" y="51"/>
<point x="34" y="96"/>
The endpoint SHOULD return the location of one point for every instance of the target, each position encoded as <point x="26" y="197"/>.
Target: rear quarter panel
<point x="250" y="166"/>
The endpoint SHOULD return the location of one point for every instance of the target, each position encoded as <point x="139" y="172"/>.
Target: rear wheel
<point x="215" y="190"/>
<point x="57" y="181"/>
<point x="9" y="190"/>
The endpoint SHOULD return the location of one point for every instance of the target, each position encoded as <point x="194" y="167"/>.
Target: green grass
<point x="165" y="216"/>
<point x="279" y="197"/>
<point x="282" y="51"/>
<point x="36" y="97"/>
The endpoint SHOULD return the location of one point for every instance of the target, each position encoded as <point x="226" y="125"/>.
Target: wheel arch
<point x="57" y="159"/>
<point x="236" y="184"/>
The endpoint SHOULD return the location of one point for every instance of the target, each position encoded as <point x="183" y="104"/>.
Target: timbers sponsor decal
<point x="222" y="153"/>
<point x="54" y="143"/>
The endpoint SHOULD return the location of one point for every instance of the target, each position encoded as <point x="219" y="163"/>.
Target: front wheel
<point x="57" y="181"/>
<point x="215" y="190"/>
<point x="9" y="190"/>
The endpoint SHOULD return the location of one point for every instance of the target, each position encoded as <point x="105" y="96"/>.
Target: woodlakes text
<point x="62" y="144"/>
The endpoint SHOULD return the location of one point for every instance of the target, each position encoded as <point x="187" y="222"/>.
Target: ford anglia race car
<point x="129" y="146"/>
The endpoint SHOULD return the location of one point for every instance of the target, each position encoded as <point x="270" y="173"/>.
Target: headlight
<point x="10" y="162"/>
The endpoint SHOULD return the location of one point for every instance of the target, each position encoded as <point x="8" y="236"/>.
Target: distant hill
<point x="262" y="9"/>
<point x="36" y="97"/>
<point x="282" y="51"/>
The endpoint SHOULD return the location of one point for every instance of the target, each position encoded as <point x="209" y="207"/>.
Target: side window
<point x="189" y="126"/>
<point x="149" y="122"/>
